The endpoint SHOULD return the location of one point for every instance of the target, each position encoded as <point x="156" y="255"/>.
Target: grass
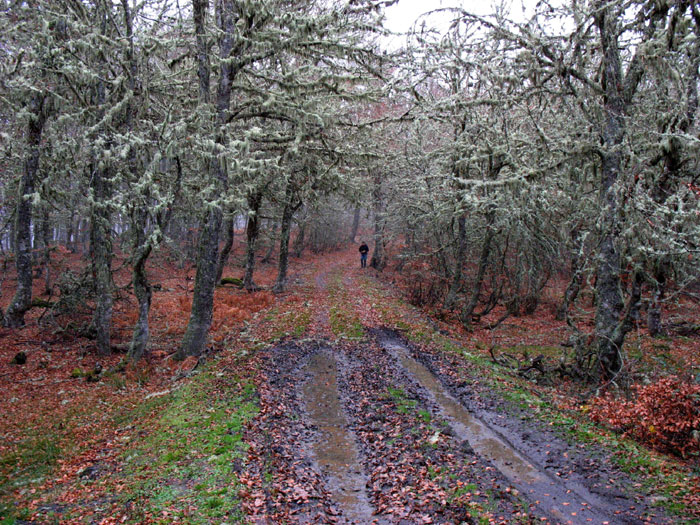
<point x="344" y="322"/>
<point x="345" y="325"/>
<point x="187" y="459"/>
<point x="291" y="323"/>
<point x="30" y="461"/>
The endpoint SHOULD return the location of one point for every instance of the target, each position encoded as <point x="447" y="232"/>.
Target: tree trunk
<point x="252" y="231"/>
<point x="355" y="224"/>
<point x="100" y="226"/>
<point x="226" y="249"/>
<point x="673" y="164"/>
<point x="71" y="234"/>
<point x="378" y="260"/>
<point x="285" y="229"/>
<point x="142" y="288"/>
<point x="574" y="287"/>
<point x="468" y="310"/>
<point x="194" y="340"/>
<point x="271" y="248"/>
<point x="654" y="323"/>
<point x="610" y="328"/>
<point x="101" y="257"/>
<point x="609" y="305"/>
<point x="22" y="300"/>
<point x="195" y="337"/>
<point x="13" y="234"/>
<point x="139" y="223"/>
<point x="459" y="263"/>
<point x="46" y="236"/>
<point x="298" y="246"/>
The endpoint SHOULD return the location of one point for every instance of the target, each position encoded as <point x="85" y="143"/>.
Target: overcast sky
<point x="401" y="16"/>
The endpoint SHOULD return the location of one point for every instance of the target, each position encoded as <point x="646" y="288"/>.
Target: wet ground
<point x="376" y="433"/>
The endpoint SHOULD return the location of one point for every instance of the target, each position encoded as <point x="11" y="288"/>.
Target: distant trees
<point x="551" y="138"/>
<point x="496" y="154"/>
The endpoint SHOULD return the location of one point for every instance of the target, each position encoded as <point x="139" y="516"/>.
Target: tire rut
<point x="334" y="447"/>
<point x="563" y="501"/>
<point x="364" y="433"/>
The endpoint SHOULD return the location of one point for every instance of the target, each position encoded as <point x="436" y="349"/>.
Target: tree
<point x="251" y="38"/>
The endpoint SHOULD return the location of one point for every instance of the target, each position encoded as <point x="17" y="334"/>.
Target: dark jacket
<point x="364" y="248"/>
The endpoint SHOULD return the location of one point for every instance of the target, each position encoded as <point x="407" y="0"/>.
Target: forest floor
<point x="336" y="402"/>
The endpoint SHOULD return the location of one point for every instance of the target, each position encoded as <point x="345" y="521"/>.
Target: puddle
<point x="566" y="504"/>
<point x="335" y="450"/>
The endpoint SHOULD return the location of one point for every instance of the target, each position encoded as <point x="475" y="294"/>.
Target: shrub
<point x="664" y="415"/>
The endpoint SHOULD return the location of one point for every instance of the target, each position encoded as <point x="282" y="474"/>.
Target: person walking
<point x="364" y="250"/>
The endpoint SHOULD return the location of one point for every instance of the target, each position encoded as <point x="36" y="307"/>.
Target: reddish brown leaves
<point x="665" y="415"/>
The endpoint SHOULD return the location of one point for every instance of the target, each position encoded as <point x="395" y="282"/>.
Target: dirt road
<point x="359" y="426"/>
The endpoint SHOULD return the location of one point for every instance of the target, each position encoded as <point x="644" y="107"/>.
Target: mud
<point x="334" y="447"/>
<point x="566" y="503"/>
<point x="379" y="432"/>
<point x="415" y="473"/>
<point x="561" y="478"/>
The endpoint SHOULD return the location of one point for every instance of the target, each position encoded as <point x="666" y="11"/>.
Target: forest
<point x="188" y="336"/>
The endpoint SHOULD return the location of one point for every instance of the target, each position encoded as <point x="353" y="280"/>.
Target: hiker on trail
<point x="364" y="250"/>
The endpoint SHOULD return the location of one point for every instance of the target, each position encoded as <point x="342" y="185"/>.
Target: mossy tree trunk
<point x="252" y="232"/>
<point x="22" y="300"/>
<point x="460" y="255"/>
<point x="228" y="245"/>
<point x="285" y="230"/>
<point x="142" y="288"/>
<point x="195" y="337"/>
<point x="355" y="224"/>
<point x="378" y="260"/>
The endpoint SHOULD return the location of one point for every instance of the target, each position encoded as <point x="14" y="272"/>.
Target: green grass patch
<point x="31" y="460"/>
<point x="291" y="323"/>
<point x="27" y="464"/>
<point x="344" y="324"/>
<point x="403" y="405"/>
<point x="188" y="457"/>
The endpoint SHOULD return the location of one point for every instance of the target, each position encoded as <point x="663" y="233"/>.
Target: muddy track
<point x="565" y="483"/>
<point x="379" y="433"/>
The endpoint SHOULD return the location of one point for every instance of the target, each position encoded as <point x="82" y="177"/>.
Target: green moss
<point x="187" y="457"/>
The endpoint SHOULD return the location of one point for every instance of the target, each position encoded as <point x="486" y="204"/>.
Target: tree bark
<point x="22" y="300"/>
<point x="298" y="246"/>
<point x="619" y="89"/>
<point x="672" y="168"/>
<point x="142" y="246"/>
<point x="142" y="288"/>
<point x="195" y="337"/>
<point x="228" y="245"/>
<point x="355" y="224"/>
<point x="101" y="257"/>
<point x="194" y="340"/>
<point x="71" y="235"/>
<point x="654" y="314"/>
<point x="378" y="260"/>
<point x="574" y="287"/>
<point x="252" y="231"/>
<point x="101" y="227"/>
<point x="460" y="255"/>
<point x="468" y="310"/>
<point x="271" y="248"/>
<point x="285" y="230"/>
<point x="609" y="305"/>
<point x="46" y="240"/>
